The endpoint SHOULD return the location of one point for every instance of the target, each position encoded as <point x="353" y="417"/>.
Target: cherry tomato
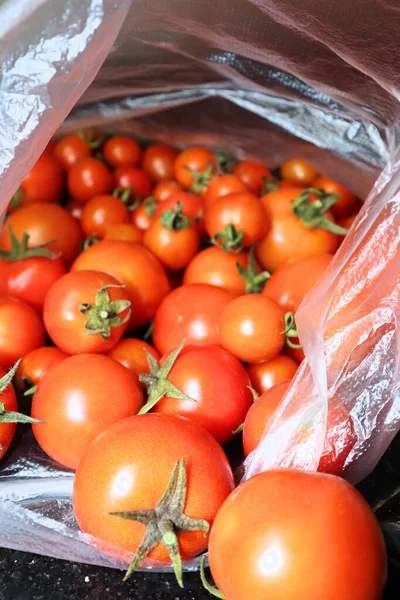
<point x="70" y="149"/>
<point x="144" y="215"/>
<point x="134" y="179"/>
<point x="174" y="248"/>
<point x="77" y="400"/>
<point x="191" y="313"/>
<point x="9" y="401"/>
<point x="120" y="150"/>
<point x="100" y="212"/>
<point x="291" y="282"/>
<point x="194" y="169"/>
<point x="252" y="174"/>
<point x="131" y="353"/>
<point x="75" y="209"/>
<point x="45" y="223"/>
<point x="346" y="205"/>
<point x="87" y="178"/>
<point x="34" y="366"/>
<point x="299" y="171"/>
<point x="296" y="354"/>
<point x="159" y="160"/>
<point x="302" y="536"/>
<point x="134" y="266"/>
<point x="165" y="188"/>
<point x="252" y="328"/>
<point x="265" y="375"/>
<point x="44" y="183"/>
<point x="125" y="232"/>
<point x="223" y="185"/>
<point x="216" y="267"/>
<point x="193" y="205"/>
<point x="21" y="330"/>
<point x="86" y="312"/>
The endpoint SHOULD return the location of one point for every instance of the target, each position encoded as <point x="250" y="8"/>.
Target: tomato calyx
<point x="271" y="184"/>
<point x="312" y="212"/>
<point x="164" y="522"/>
<point x="225" y="161"/>
<point x="104" y="313"/>
<point x="91" y="138"/>
<point x="211" y="589"/>
<point x="229" y="239"/>
<point x="91" y="240"/>
<point x="201" y="179"/>
<point x="174" y="219"/>
<point x="254" y="281"/>
<point x="290" y="331"/>
<point x="9" y="416"/>
<point x="20" y="251"/>
<point x="156" y="381"/>
<point x="149" y="206"/>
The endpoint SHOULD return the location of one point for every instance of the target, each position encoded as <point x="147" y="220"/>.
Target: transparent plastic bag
<point x="269" y="79"/>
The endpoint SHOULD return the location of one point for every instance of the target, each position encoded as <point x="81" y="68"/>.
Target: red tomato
<point x="144" y="215"/>
<point x="252" y="328"/>
<point x="194" y="168"/>
<point x="87" y="178"/>
<point x="165" y="188"/>
<point x="120" y="150"/>
<point x="113" y="477"/>
<point x="78" y="399"/>
<point x="296" y="354"/>
<point x="70" y="149"/>
<point x="44" y="183"/>
<point x="223" y="185"/>
<point x="134" y="179"/>
<point x="101" y="212"/>
<point x="173" y="239"/>
<point x="34" y="366"/>
<point x="86" y="312"/>
<point x="131" y="353"/>
<point x="191" y="313"/>
<point x="265" y="375"/>
<point x="125" y="232"/>
<point x="9" y="402"/>
<point x="347" y="222"/>
<point x="21" y="330"/>
<point x="299" y="171"/>
<point x="216" y="267"/>
<point x="75" y="209"/>
<point x="134" y="266"/>
<point x="45" y="223"/>
<point x="303" y="536"/>
<point x="193" y="206"/>
<point x="159" y="160"/>
<point x="346" y="205"/>
<point x="252" y="174"/>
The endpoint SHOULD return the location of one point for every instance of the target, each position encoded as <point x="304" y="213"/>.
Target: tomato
<point x="134" y="266"/>
<point x="121" y="150"/>
<point x="299" y="171"/>
<point x="193" y="205"/>
<point x="45" y="223"/>
<point x="191" y="313"/>
<point x="130" y="466"/>
<point x="346" y="205"/>
<point x="34" y="366"/>
<point x="100" y="212"/>
<point x="21" y="330"/>
<point x="252" y="328"/>
<point x="265" y="375"/>
<point x="291" y="282"/>
<point x="87" y="178"/>
<point x="347" y="222"/>
<point x="8" y="402"/>
<point x="86" y="312"/>
<point x="252" y="174"/>
<point x="159" y="160"/>
<point x="144" y="215"/>
<point x="75" y="209"/>
<point x="134" y="179"/>
<point x="244" y="212"/>
<point x="125" y="232"/>
<point x="216" y="267"/>
<point x="205" y="374"/>
<point x="296" y="354"/>
<point x="194" y="168"/>
<point x="51" y="144"/>
<point x="43" y="183"/>
<point x="78" y="399"/>
<point x="165" y="188"/>
<point x="131" y="353"/>
<point x="303" y="536"/>
<point x="70" y="149"/>
<point x="223" y="185"/>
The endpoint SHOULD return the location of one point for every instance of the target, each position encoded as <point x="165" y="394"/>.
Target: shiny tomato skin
<point x="125" y="454"/>
<point x="143" y="217"/>
<point x="190" y="312"/>
<point x="131" y="352"/>
<point x="174" y="249"/>
<point x="7" y="430"/>
<point x="165" y="188"/>
<point x="121" y="150"/>
<point x="135" y="179"/>
<point x="124" y="231"/>
<point x="346" y="205"/>
<point x="87" y="178"/>
<point x="134" y="266"/>
<point x="206" y="374"/>
<point x="70" y="149"/>
<point x="21" y="330"/>
<point x="299" y="171"/>
<point x="75" y="209"/>
<point x="252" y="174"/>
<point x="193" y="205"/>
<point x="77" y="400"/>
<point x="213" y="266"/>
<point x="64" y="321"/>
<point x="158" y="161"/>
<point x="263" y="376"/>
<point x="44" y="182"/>
<point x="101" y="212"/>
<point x="190" y="160"/>
<point x="221" y="186"/>
<point x="34" y="366"/>
<point x="303" y="536"/>
<point x="45" y="223"/>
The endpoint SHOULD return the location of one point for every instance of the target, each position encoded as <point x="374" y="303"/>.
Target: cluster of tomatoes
<point x="151" y="296"/>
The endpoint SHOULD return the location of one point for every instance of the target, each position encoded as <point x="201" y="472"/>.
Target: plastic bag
<point x="265" y="78"/>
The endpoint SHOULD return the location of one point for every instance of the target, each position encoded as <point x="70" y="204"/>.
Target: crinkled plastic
<point x="270" y="79"/>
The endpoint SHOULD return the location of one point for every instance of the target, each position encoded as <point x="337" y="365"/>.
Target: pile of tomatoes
<point x="147" y="301"/>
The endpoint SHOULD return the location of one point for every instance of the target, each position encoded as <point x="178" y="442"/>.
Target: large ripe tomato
<point x="288" y="534"/>
<point x="78" y="399"/>
<point x="21" y="330"/>
<point x="221" y="186"/>
<point x="164" y="189"/>
<point x="44" y="183"/>
<point x="205" y="374"/>
<point x="70" y="149"/>
<point x="159" y="161"/>
<point x="252" y="328"/>
<point x="252" y="174"/>
<point x="129" y="468"/>
<point x="34" y="366"/>
<point x="125" y="231"/>
<point x="216" y="267"/>
<point x="121" y="150"/>
<point x="346" y="205"/>
<point x="243" y="211"/>
<point x="194" y="169"/>
<point x="191" y="313"/>
<point x="86" y="312"/>
<point x="299" y="171"/>
<point x="265" y="375"/>
<point x="133" y="178"/>
<point x="101" y="212"/>
<point x="135" y="267"/>
<point x="87" y="178"/>
<point x="291" y="282"/>
<point x="45" y="224"/>
<point x="8" y="402"/>
<point x="131" y="352"/>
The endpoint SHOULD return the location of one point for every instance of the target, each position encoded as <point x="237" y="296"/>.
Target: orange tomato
<point x="265" y="375"/>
